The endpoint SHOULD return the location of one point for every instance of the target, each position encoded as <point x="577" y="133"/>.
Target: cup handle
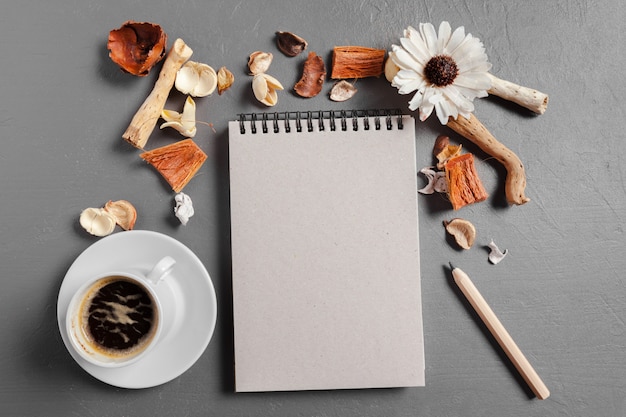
<point x="161" y="269"/>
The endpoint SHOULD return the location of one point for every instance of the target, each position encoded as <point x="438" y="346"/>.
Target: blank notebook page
<point x="325" y="257"/>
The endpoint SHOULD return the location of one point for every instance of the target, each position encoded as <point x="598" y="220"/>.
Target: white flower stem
<point x="473" y="130"/>
<point x="533" y="100"/>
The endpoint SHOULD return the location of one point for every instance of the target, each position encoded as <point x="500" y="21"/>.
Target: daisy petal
<point x="429" y="36"/>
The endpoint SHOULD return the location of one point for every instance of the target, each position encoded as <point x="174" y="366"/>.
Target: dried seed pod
<point x="313" y="76"/>
<point x="342" y="91"/>
<point x="124" y="213"/>
<point x="462" y="230"/>
<point x="97" y="221"/>
<point x="265" y="89"/>
<point x="290" y="44"/>
<point x="225" y="79"/>
<point x="196" y="79"/>
<point x="137" y="46"/>
<point x="259" y="62"/>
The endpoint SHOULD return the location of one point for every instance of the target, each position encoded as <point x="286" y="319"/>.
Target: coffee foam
<point x="117" y="314"/>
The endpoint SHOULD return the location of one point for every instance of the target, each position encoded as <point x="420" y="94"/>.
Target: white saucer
<point x="179" y="351"/>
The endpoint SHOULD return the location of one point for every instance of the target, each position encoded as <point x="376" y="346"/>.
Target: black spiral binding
<point x="305" y="121"/>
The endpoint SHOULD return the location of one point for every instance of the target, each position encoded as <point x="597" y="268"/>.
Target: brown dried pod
<point x="137" y="46"/>
<point x="290" y="44"/>
<point x="313" y="76"/>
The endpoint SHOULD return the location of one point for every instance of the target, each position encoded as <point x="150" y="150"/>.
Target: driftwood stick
<point x="473" y="130"/>
<point x="142" y="124"/>
<point x="533" y="100"/>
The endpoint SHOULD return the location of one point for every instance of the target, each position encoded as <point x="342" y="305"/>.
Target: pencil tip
<point x="451" y="266"/>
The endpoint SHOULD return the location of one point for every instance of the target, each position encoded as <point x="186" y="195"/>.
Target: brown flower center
<point x="441" y="70"/>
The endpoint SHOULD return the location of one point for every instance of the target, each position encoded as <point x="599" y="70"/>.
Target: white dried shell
<point x="184" y="122"/>
<point x="97" y="221"/>
<point x="184" y="207"/>
<point x="342" y="91"/>
<point x="496" y="255"/>
<point x="124" y="213"/>
<point x="463" y="231"/>
<point x="391" y="69"/>
<point x="196" y="79"/>
<point x="436" y="181"/>
<point x="265" y="89"/>
<point x="259" y="62"/>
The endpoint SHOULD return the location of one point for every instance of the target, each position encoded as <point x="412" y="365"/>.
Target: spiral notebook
<point x="325" y="251"/>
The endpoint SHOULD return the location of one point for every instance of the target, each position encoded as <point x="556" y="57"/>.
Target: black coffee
<point x="120" y="317"/>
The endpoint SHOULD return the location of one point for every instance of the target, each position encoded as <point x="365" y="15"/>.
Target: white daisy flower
<point x="448" y="70"/>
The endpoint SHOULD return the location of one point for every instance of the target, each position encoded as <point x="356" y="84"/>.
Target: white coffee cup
<point x="116" y="318"/>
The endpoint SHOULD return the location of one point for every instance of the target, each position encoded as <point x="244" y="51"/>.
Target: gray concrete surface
<point x="560" y="292"/>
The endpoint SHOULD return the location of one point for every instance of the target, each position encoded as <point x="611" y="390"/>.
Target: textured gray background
<point x="560" y="292"/>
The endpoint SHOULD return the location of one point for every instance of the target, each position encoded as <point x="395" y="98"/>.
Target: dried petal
<point x="97" y="221"/>
<point x="124" y="213"/>
<point x="342" y="91"/>
<point x="290" y="44"/>
<point x="436" y="181"/>
<point x="137" y="46"/>
<point x="196" y="79"/>
<point x="184" y="122"/>
<point x="264" y="87"/>
<point x="184" y="207"/>
<point x="496" y="255"/>
<point x="444" y="151"/>
<point x="313" y="75"/>
<point x="259" y="62"/>
<point x="463" y="231"/>
<point x="225" y="79"/>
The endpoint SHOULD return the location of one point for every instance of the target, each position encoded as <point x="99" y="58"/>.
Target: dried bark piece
<point x="463" y="231"/>
<point x="464" y="185"/>
<point x="533" y="100"/>
<point x="143" y="122"/>
<point x="472" y="129"/>
<point x="290" y="44"/>
<point x="137" y="46"/>
<point x="313" y="76"/>
<point x="342" y="91"/>
<point x="357" y="62"/>
<point x="177" y="162"/>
